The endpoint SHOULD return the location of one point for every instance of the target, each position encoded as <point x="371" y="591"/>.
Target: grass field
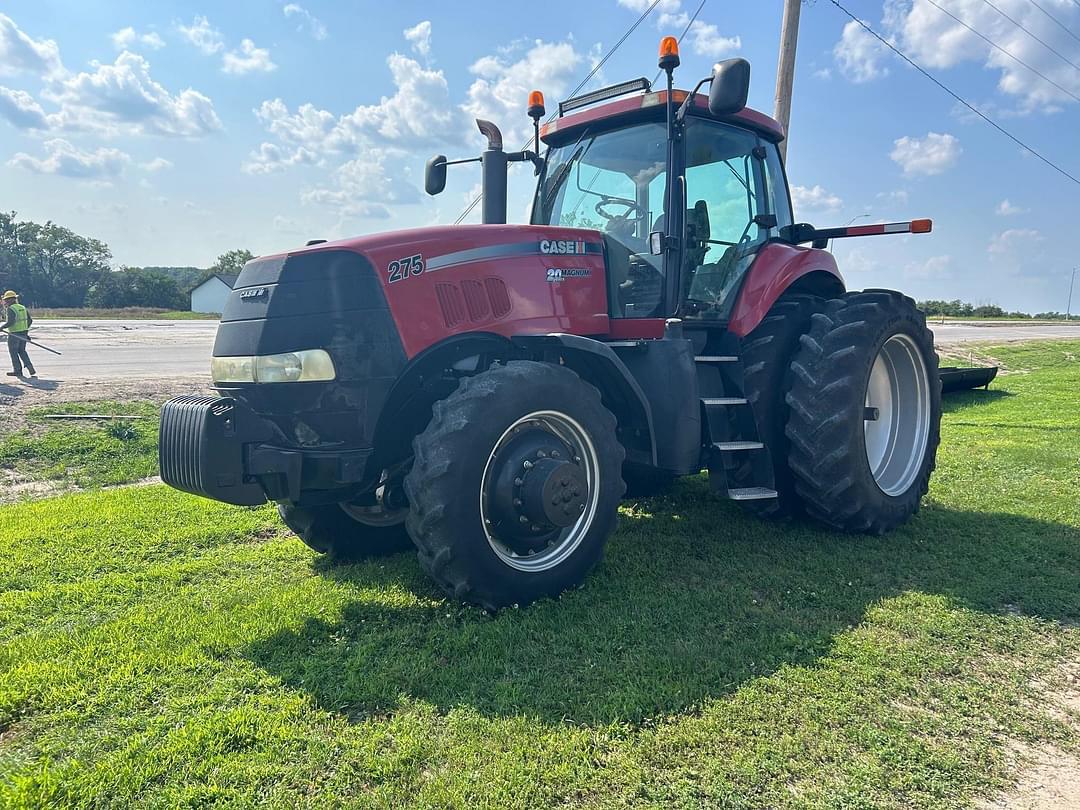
<point x="124" y="313"/>
<point x="84" y="453"/>
<point x="161" y="650"/>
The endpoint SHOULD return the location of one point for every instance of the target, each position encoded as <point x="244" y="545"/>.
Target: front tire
<point x="865" y="412"/>
<point x="515" y="485"/>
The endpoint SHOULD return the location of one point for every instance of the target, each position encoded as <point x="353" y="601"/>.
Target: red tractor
<point x="491" y="392"/>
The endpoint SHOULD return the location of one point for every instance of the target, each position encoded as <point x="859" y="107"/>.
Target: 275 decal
<point x="401" y="269"/>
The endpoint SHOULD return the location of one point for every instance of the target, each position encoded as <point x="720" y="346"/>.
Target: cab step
<point x="751" y="493"/>
<point x="737" y="445"/>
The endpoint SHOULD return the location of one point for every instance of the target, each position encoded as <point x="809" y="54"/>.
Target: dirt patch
<point x="1050" y="777"/>
<point x="17" y="397"/>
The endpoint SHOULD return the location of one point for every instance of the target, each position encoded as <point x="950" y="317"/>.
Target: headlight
<point x="312" y="365"/>
<point x="232" y="369"/>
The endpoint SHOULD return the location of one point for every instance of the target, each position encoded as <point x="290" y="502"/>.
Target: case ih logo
<point x="563" y="247"/>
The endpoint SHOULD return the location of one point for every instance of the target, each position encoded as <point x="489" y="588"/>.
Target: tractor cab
<point x="609" y="170"/>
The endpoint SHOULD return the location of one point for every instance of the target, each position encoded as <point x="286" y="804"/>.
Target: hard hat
<point x="10" y="294"/>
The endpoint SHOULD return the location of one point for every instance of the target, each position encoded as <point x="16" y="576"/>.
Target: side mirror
<point x="730" y="87"/>
<point x="435" y="175"/>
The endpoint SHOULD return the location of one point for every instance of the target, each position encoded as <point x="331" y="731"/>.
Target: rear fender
<point x="780" y="267"/>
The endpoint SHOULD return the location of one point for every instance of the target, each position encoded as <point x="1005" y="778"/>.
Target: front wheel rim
<point x="896" y="425"/>
<point x="563" y="543"/>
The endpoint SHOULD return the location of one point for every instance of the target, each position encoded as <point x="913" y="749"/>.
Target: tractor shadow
<point x="693" y="599"/>
<point x="959" y="401"/>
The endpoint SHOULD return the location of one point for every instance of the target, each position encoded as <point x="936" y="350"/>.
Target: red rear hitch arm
<point x="798" y="234"/>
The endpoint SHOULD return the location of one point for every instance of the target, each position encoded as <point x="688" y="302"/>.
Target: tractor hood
<point x="438" y="282"/>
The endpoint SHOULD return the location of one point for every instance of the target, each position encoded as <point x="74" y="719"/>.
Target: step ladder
<point x="729" y="433"/>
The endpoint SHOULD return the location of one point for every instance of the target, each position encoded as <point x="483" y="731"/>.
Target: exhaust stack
<point x="493" y="174"/>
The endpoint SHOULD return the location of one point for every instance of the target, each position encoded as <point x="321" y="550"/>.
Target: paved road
<point x="116" y="349"/>
<point x="104" y="349"/>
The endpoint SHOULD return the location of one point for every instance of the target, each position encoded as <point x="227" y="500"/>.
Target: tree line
<point x="52" y="266"/>
<point x="961" y="309"/>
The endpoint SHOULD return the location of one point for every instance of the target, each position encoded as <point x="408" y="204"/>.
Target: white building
<point x="210" y="296"/>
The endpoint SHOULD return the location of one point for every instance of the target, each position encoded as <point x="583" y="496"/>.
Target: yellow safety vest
<point x="22" y="321"/>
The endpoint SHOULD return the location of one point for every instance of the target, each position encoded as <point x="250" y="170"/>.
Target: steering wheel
<point x="632" y="208"/>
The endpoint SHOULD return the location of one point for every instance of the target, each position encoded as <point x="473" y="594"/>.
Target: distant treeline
<point x="52" y="266"/>
<point x="961" y="309"/>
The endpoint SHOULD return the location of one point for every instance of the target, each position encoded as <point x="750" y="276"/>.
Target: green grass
<point x="161" y="650"/>
<point x="124" y="313"/>
<point x="85" y="454"/>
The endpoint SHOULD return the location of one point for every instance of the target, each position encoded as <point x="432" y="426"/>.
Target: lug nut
<point x="555" y="454"/>
<point x="527" y="464"/>
<point x="518" y="482"/>
<point x="523" y="519"/>
<point x="541" y="454"/>
<point x="517" y="501"/>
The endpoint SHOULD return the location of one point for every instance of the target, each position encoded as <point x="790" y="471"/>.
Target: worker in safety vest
<point x="18" y="328"/>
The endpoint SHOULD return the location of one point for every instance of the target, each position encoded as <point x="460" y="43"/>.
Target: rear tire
<point x="767" y="353"/>
<point x="496" y="455"/>
<point x="868" y="352"/>
<point x="330" y="530"/>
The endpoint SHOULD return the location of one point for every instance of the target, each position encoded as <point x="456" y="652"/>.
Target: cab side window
<point x="726" y="189"/>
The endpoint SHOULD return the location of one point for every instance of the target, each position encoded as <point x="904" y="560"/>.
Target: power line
<point x="1056" y="20"/>
<point x="1042" y="42"/>
<point x="582" y="83"/>
<point x="936" y="81"/>
<point x="1012" y="56"/>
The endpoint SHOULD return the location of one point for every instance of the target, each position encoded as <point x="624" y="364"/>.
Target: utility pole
<point x="1068" y="305"/>
<point x="785" y="68"/>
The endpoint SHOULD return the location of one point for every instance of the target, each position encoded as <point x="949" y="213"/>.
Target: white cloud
<point x="203" y="35"/>
<point x="308" y="21"/>
<point x="935" y="40"/>
<point x="502" y="86"/>
<point x="1007" y="209"/>
<point x="249" y="59"/>
<point x="270" y="157"/>
<point x="419" y="37"/>
<point x="126" y="38"/>
<point x="814" y="198"/>
<point x="123" y="97"/>
<point x="19" y="52"/>
<point x="859" y="55"/>
<point x="1013" y="240"/>
<point x="64" y="159"/>
<point x="418" y="114"/>
<point x="937" y="268"/>
<point x="156" y="165"/>
<point x="703" y="38"/>
<point x="21" y="111"/>
<point x="930" y="155"/>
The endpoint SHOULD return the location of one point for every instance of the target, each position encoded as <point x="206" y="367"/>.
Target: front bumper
<point x="219" y="448"/>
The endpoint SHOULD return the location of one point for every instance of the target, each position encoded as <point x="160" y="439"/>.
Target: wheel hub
<point x="539" y="491"/>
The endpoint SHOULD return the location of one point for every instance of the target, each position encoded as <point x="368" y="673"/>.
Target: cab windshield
<point x="613" y="182"/>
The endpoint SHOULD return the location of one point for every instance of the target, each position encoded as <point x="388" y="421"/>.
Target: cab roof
<point x="641" y="107"/>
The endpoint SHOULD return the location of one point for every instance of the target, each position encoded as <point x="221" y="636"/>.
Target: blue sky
<point x="175" y="131"/>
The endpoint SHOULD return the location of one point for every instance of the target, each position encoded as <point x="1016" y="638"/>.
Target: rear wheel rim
<point x="896" y="425"/>
<point x="564" y="542"/>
